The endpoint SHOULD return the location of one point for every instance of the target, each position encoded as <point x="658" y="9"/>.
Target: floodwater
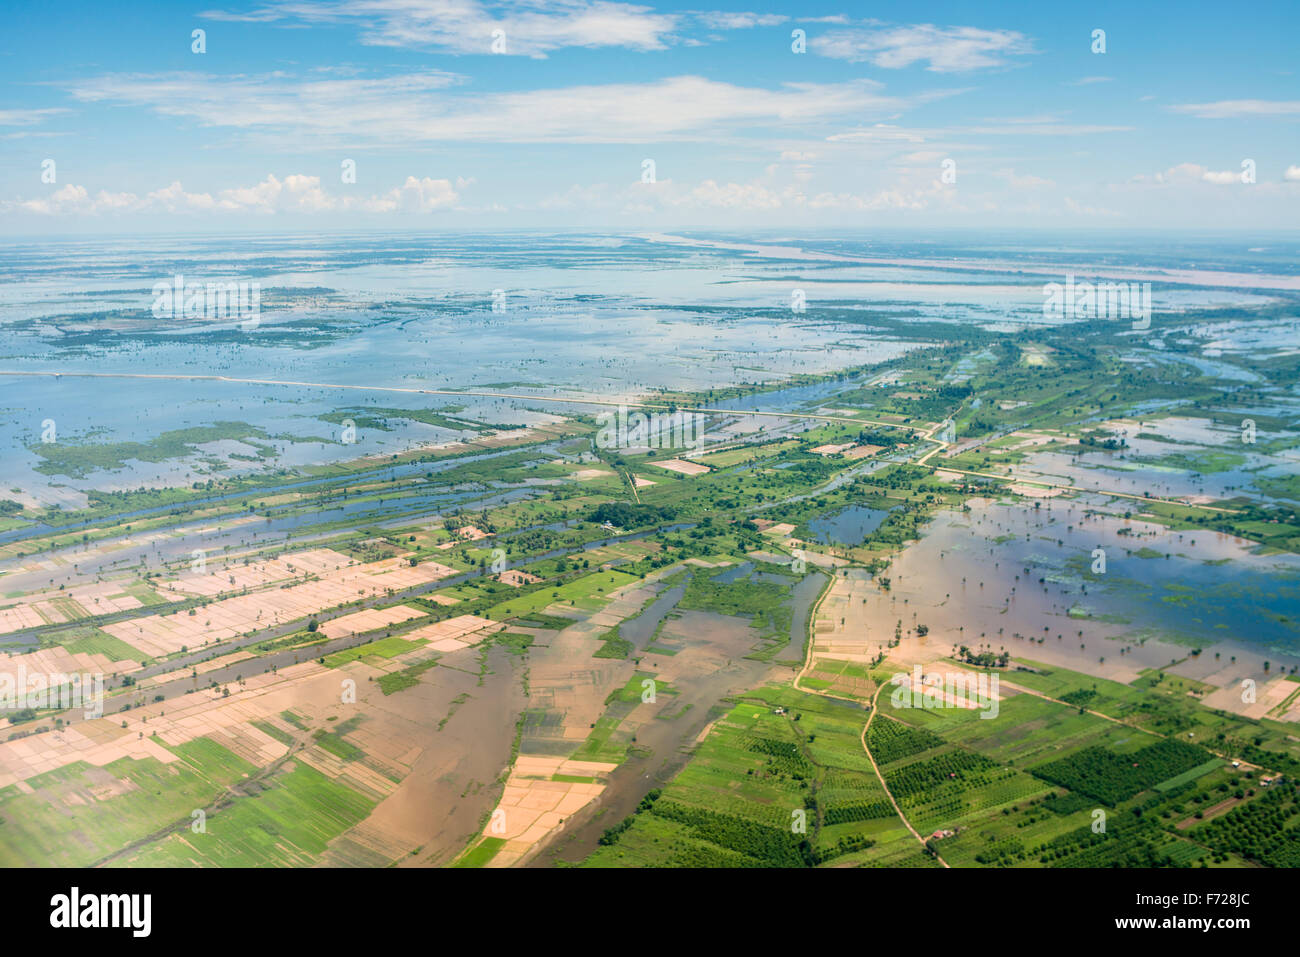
<point x="622" y="315"/>
<point x="1022" y="579"/>
<point x="847" y="526"/>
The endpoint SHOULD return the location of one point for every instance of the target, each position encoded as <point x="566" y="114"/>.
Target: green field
<point x="383" y="648"/>
<point x="80" y="814"/>
<point x="588" y="593"/>
<point x="289" y="824"/>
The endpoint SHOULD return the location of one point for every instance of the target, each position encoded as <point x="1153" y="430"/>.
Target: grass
<point x="482" y="852"/>
<point x="337" y="746"/>
<point x="383" y="648"/>
<point x="613" y="646"/>
<point x="78" y="461"/>
<point x="589" y="593"/>
<point x="515" y="642"/>
<point x="376" y="417"/>
<point x="72" y="821"/>
<point x="737" y="801"/>
<point x="409" y="677"/>
<point x="284" y="737"/>
<point x="96" y="642"/>
<point x="290" y="824"/>
<point x="607" y="742"/>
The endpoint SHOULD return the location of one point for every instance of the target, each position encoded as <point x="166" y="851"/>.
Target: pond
<point x="848" y="526"/>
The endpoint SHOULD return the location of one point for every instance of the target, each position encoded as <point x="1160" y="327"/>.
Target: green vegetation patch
<point x="1111" y="778"/>
<point x="80" y="814"/>
<point x="288" y="824"/>
<point x="613" y="646"/>
<point x="96" y="642"/>
<point x="337" y="746"/>
<point x="482" y="853"/>
<point x="589" y="593"/>
<point x="891" y="741"/>
<point x="383" y="648"/>
<point x="78" y="461"/>
<point x="1266" y="829"/>
<point x="409" y="677"/>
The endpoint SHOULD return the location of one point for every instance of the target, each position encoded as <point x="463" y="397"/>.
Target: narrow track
<point x="807" y="663"/>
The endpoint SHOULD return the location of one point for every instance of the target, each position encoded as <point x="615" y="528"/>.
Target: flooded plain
<point x="1006" y="577"/>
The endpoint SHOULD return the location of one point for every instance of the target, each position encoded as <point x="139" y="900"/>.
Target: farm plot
<point x="780" y="781"/>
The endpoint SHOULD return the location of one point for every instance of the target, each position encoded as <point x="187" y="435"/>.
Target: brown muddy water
<point x="1006" y="577"/>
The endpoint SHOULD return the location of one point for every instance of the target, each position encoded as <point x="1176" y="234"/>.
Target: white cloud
<point x="943" y="49"/>
<point x="1042" y="129"/>
<point x="296" y="193"/>
<point x="1229" y="109"/>
<point x="1022" y="180"/>
<point x="466" y="26"/>
<point x="106" y="202"/>
<point x="733" y="196"/>
<point x="879" y="133"/>
<point x="1027" y="126"/>
<point x="65" y="197"/>
<point x="27" y="117"/>
<point x="174" y="199"/>
<point x="1292" y="174"/>
<point x="723" y="20"/>
<point x="596" y="196"/>
<point x="1187" y="173"/>
<point x="707" y="195"/>
<point x="1083" y="209"/>
<point x="423" y="195"/>
<point x="76" y="200"/>
<point x="1183" y="172"/>
<point x="751" y="197"/>
<point x="272" y="101"/>
<point x="1221" y="177"/>
<point x="916" y="198"/>
<point x="421" y="108"/>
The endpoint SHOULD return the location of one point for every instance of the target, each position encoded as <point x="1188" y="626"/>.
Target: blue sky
<point x="147" y="135"/>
